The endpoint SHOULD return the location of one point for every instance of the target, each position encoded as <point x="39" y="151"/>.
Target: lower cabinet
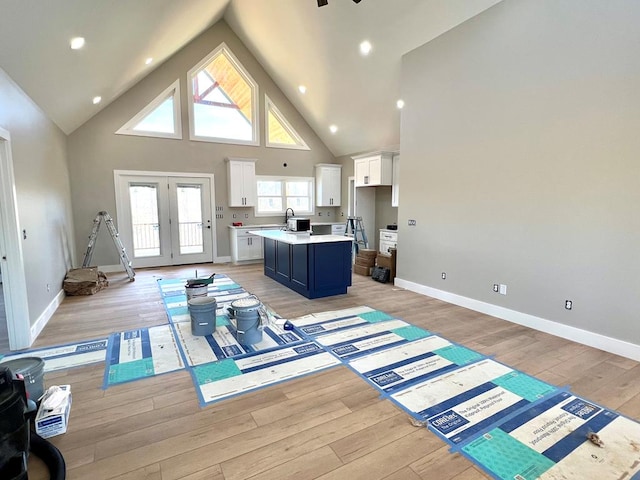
<point x="245" y="246"/>
<point x="313" y="270"/>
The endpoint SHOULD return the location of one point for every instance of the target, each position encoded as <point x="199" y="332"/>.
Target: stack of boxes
<point x="365" y="261"/>
<point x="388" y="261"/>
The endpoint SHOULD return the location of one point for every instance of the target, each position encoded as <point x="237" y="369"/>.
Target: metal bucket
<point x="246" y="312"/>
<point x="194" y="291"/>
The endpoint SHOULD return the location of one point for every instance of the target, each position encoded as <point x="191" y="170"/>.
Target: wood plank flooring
<point x="330" y="425"/>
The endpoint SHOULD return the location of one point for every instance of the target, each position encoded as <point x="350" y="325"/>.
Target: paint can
<point x="202" y="311"/>
<point x="246" y="312"/>
<point x="32" y="369"/>
<point x="196" y="290"/>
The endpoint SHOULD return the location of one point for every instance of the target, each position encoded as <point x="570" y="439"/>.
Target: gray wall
<point x="520" y="133"/>
<point x="95" y="151"/>
<point x="39" y="153"/>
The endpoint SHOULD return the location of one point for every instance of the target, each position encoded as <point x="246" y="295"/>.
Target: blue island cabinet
<point x="312" y="269"/>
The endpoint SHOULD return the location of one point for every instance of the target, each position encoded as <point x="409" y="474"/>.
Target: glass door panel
<point x="144" y="220"/>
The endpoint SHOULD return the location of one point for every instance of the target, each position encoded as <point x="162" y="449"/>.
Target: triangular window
<point x="280" y="133"/>
<point x="160" y="118"/>
<point x="223" y="100"/>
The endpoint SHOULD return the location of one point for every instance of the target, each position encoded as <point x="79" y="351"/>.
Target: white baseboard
<point x="596" y="340"/>
<point x="44" y="318"/>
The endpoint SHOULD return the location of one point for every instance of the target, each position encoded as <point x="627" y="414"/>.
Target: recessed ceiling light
<point x="333" y="129"/>
<point x="302" y="89"/>
<point x="148" y="61"/>
<point x="77" y="43"/>
<point x="365" y="47"/>
<point x="400" y="103"/>
<point x="96" y="100"/>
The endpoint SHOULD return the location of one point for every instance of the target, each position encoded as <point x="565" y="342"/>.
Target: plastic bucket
<point x="32" y="369"/>
<point x="202" y="311"/>
<point x="246" y="311"/>
<point x="194" y="291"/>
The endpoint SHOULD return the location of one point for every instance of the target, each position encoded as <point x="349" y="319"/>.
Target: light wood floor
<point x="330" y="425"/>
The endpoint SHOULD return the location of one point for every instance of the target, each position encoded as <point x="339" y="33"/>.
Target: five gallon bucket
<point x="246" y="311"/>
<point x="203" y="315"/>
<point x="32" y="369"/>
<point x="194" y="291"/>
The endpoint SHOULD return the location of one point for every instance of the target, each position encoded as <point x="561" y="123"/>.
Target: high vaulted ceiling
<point x="296" y="41"/>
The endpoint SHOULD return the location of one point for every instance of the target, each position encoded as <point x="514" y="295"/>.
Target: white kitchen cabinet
<point x="245" y="246"/>
<point x="373" y="169"/>
<point x="241" y="182"/>
<point x="328" y="185"/>
<point x="388" y="240"/>
<point x="395" y="185"/>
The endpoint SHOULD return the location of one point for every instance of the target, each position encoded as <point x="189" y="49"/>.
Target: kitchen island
<point x="312" y="265"/>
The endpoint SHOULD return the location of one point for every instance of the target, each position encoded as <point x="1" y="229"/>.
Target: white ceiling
<point x="295" y="40"/>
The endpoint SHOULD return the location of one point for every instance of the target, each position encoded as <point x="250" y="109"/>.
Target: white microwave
<point x="298" y="224"/>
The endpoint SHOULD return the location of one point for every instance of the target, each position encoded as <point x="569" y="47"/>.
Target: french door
<point x="165" y="220"/>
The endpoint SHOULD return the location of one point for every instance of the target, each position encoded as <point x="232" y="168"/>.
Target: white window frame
<point x="172" y="91"/>
<point x="269" y="106"/>
<point x="312" y="189"/>
<point x="223" y="49"/>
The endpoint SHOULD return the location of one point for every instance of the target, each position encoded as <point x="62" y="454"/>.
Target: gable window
<point x="160" y="118"/>
<point x="222" y="100"/>
<point x="276" y="194"/>
<point x="280" y="133"/>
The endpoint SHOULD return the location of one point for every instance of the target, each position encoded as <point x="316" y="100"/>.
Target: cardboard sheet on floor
<point x="69" y="355"/>
<point x="223" y="343"/>
<point x="226" y="378"/>
<point x="549" y="441"/>
<point x="137" y="354"/>
<point x="469" y="399"/>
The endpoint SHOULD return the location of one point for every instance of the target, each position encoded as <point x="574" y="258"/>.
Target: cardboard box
<point x="366" y="261"/>
<point x="53" y="422"/>
<point x="388" y="261"/>
<point x="367" y="252"/>
<point x="362" y="270"/>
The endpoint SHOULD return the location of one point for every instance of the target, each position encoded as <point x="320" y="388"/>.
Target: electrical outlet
<point x="503" y="289"/>
<point x="444" y="275"/>
<point x="342" y="214"/>
<point x="48" y="288"/>
<point x="246" y="215"/>
<point x="235" y="215"/>
<point x="412" y="223"/>
<point x="496" y="287"/>
<point x="319" y="214"/>
<point x="568" y="304"/>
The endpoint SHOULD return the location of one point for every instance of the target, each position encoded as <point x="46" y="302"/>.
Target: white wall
<point x="520" y="140"/>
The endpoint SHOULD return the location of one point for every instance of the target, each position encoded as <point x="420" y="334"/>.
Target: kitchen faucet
<point x="286" y="215"/>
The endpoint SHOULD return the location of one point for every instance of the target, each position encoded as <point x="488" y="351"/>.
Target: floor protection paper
<point x="226" y="378"/>
<point x="66" y="356"/>
<point x="137" y="354"/>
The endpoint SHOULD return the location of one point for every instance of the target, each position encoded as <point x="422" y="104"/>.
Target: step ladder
<point x="355" y="228"/>
<point x="116" y="240"/>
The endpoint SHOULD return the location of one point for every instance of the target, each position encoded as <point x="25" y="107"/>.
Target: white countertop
<point x="299" y="238"/>
<point x="277" y="226"/>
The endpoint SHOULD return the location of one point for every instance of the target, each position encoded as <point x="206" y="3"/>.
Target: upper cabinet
<point x="328" y="184"/>
<point x="241" y="182"/>
<point x="373" y="169"/>
<point x="395" y="186"/>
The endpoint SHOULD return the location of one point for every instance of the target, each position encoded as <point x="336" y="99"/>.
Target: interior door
<point x="165" y="220"/>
